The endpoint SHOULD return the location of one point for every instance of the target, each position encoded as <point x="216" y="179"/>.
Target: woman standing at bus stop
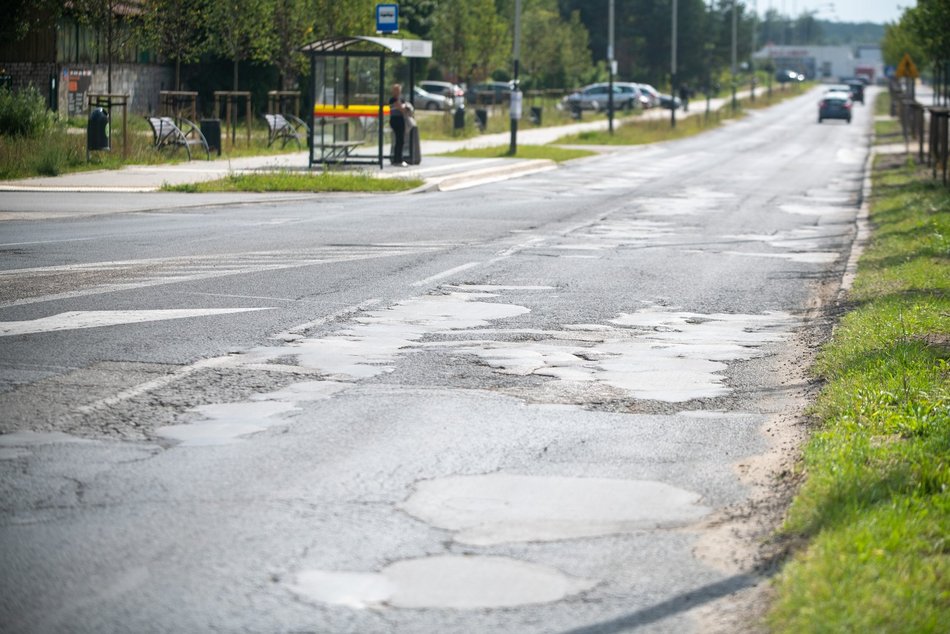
<point x="397" y="121"/>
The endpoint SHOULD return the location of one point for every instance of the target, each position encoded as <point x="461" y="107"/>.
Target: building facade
<point x="825" y="63"/>
<point x="65" y="61"/>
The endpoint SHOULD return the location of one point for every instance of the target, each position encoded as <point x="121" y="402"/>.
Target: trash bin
<point x="536" y="115"/>
<point x="211" y="129"/>
<point x="459" y="118"/>
<point x="97" y="131"/>
<point x="481" y="118"/>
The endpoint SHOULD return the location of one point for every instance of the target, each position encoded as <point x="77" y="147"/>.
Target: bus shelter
<point x="349" y="97"/>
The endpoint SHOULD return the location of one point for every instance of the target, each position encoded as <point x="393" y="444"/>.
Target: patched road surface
<point x="549" y="404"/>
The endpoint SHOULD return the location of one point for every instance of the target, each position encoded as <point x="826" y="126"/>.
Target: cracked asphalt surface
<point x="542" y="405"/>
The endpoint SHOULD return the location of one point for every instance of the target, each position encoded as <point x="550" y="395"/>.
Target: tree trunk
<point x="235" y="74"/>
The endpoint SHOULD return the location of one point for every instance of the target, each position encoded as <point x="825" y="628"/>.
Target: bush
<point x="23" y="113"/>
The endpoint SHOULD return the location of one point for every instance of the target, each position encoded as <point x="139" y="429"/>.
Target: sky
<point x="879" y="11"/>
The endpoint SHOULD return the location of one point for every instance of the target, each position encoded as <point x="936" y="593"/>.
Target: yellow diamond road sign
<point x="907" y="68"/>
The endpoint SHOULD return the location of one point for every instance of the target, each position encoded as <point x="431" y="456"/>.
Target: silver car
<point x="425" y="100"/>
<point x="444" y="88"/>
<point x="596" y="97"/>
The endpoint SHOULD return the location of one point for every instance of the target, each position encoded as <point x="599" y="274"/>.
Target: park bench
<point x="171" y="135"/>
<point x="334" y="144"/>
<point x="285" y="127"/>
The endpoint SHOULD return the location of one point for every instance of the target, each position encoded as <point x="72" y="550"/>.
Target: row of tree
<point x="564" y="42"/>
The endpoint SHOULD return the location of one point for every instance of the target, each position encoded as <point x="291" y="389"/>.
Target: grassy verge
<point x="643" y="131"/>
<point x="62" y="149"/>
<point x="889" y="130"/>
<point x="549" y="152"/>
<point x="292" y="182"/>
<point x="875" y="505"/>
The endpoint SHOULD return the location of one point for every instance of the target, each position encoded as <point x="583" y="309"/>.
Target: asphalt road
<point x="519" y="407"/>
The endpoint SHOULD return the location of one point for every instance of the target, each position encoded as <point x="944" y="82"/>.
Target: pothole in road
<point x="225" y="423"/>
<point x="654" y="354"/>
<point x="370" y="345"/>
<point x="501" y="508"/>
<point x="447" y="581"/>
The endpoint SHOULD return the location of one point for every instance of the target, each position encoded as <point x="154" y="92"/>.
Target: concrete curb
<point x="863" y="225"/>
<point x="486" y="175"/>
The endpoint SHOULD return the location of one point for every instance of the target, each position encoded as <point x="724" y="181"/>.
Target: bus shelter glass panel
<point x="346" y="109"/>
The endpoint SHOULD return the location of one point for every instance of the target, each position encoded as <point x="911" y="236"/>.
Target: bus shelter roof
<point x="381" y="45"/>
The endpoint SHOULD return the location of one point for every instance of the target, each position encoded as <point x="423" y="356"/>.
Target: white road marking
<point x="147" y="272"/>
<point x="448" y="273"/>
<point x="74" y="320"/>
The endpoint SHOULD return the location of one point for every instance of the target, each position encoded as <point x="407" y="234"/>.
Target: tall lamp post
<point x="515" y="107"/>
<point x="735" y="29"/>
<point x="610" y="66"/>
<point x="673" y="70"/>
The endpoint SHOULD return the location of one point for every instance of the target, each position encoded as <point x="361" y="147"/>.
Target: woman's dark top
<point x="395" y="112"/>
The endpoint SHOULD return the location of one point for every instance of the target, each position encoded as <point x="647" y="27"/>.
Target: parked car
<point x="633" y="97"/>
<point x="425" y="100"/>
<point x="787" y="76"/>
<point x="835" y="105"/>
<point x="444" y="88"/>
<point x="670" y="102"/>
<point x="596" y="97"/>
<point x="651" y="93"/>
<point x="489" y="92"/>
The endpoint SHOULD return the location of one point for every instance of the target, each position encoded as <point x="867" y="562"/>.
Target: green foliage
<point x="554" y="52"/>
<point x="24" y="113"/>
<point x="470" y="38"/>
<point x="876" y="503"/>
<point x="900" y="39"/>
<point x="176" y="29"/>
<point x="240" y="30"/>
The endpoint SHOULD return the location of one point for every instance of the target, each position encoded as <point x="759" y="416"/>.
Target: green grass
<point x="549" y="152"/>
<point x="293" y="182"/>
<point x="875" y="504"/>
<point x="642" y="131"/>
<point x="62" y="149"/>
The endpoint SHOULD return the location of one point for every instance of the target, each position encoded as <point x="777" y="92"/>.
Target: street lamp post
<point x="735" y="29"/>
<point x="673" y="71"/>
<point x="610" y="64"/>
<point x="515" y="105"/>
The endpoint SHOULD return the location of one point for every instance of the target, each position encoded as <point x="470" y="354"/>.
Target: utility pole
<point x="515" y="105"/>
<point x="611" y="63"/>
<point x="673" y="71"/>
<point x="755" y="23"/>
<point x="735" y="29"/>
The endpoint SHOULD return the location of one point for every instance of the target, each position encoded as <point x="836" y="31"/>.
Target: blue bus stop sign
<point x="387" y="18"/>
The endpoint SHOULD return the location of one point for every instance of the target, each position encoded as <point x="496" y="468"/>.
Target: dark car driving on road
<point x="835" y="105"/>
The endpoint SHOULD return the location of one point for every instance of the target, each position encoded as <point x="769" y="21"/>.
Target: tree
<point x="900" y="39"/>
<point x="469" y="38"/>
<point x="416" y="17"/>
<point x="111" y="19"/>
<point x="23" y="16"/>
<point x="240" y="30"/>
<point x="292" y="27"/>
<point x="176" y="30"/>
<point x="554" y="51"/>
<point x="344" y="17"/>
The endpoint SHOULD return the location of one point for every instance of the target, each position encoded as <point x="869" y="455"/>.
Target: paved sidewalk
<point x="439" y="172"/>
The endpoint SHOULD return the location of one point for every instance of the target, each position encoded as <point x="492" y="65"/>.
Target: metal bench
<point x="334" y="144"/>
<point x="168" y="134"/>
<point x="285" y="127"/>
